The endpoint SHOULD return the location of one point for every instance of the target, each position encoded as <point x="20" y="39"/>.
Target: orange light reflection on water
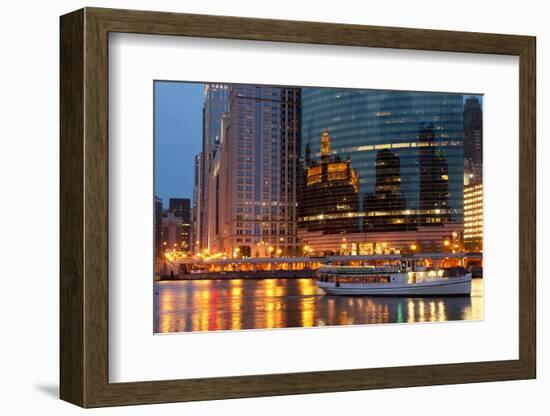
<point x="209" y="305"/>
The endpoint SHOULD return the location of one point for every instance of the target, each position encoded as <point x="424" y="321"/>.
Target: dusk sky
<point x="178" y="137"/>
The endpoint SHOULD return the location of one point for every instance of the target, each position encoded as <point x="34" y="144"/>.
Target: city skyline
<point x="296" y="198"/>
<point x="179" y="136"/>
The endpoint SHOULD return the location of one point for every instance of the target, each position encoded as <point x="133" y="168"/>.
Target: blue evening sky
<point x="178" y="137"/>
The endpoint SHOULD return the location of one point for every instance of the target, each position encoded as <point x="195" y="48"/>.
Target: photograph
<point x="298" y="206"/>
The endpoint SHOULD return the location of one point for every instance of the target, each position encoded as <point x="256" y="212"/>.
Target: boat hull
<point x="456" y="286"/>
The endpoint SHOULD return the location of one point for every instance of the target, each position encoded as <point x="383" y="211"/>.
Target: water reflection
<point x="211" y="305"/>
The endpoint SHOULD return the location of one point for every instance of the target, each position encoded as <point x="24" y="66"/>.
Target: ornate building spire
<point x="325" y="145"/>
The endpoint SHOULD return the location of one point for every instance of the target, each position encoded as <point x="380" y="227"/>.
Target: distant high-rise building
<point x="180" y="210"/>
<point x="422" y="133"/>
<point x="473" y="139"/>
<point x="473" y="216"/>
<point x="158" y="227"/>
<point x="473" y="174"/>
<point x="180" y="207"/>
<point x="198" y="201"/>
<point x="252" y="180"/>
<point x="174" y="233"/>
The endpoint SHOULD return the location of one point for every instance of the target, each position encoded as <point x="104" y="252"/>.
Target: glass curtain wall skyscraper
<point x="406" y="149"/>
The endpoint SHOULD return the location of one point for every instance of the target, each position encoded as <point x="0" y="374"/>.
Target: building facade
<point x="181" y="210"/>
<point x="158" y="227"/>
<point x="198" y="199"/>
<point x="330" y="196"/>
<point x="174" y="233"/>
<point x="407" y="151"/>
<point x="473" y="216"/>
<point x="473" y="138"/>
<point x="387" y="196"/>
<point x="473" y="174"/>
<point x="253" y="179"/>
<point x="216" y="103"/>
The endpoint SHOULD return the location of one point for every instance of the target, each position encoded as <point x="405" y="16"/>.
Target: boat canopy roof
<point x="354" y="269"/>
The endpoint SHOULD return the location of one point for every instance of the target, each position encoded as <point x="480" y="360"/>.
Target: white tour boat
<point x="406" y="279"/>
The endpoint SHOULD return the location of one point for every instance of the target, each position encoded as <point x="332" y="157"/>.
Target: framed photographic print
<point x="256" y="207"/>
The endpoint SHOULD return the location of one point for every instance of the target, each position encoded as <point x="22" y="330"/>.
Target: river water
<point x="214" y="305"/>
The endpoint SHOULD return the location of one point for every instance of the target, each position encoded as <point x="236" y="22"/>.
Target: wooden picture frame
<point x="84" y="207"/>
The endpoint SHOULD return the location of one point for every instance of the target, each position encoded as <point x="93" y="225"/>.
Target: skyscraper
<point x="423" y="135"/>
<point x="252" y="181"/>
<point x="197" y="219"/>
<point x="473" y="139"/>
<point x="179" y="213"/>
<point x="473" y="216"/>
<point x="473" y="174"/>
<point x="180" y="207"/>
<point x="216" y="103"/>
<point x="158" y="227"/>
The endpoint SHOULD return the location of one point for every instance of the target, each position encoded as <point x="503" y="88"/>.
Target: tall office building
<point x="197" y="220"/>
<point x="416" y="185"/>
<point x="174" y="233"/>
<point x="252" y="181"/>
<point x="473" y="216"/>
<point x="179" y="212"/>
<point x="216" y="103"/>
<point x="473" y="174"/>
<point x="180" y="207"/>
<point x="473" y="139"/>
<point x="158" y="227"/>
